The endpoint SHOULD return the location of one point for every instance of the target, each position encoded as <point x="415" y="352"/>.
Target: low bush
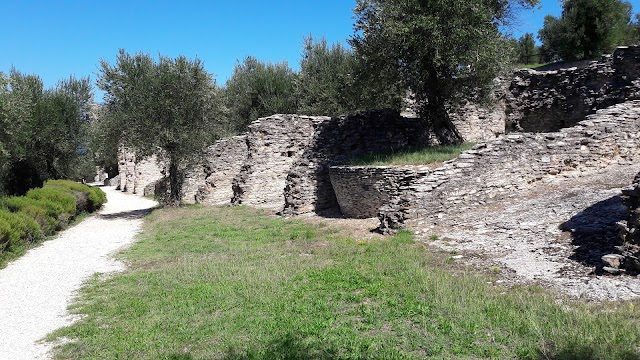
<point x="22" y="228"/>
<point x="26" y="219"/>
<point x="44" y="212"/>
<point x="59" y="196"/>
<point x="92" y="198"/>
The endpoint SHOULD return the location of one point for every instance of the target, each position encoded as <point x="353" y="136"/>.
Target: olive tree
<point x="333" y="81"/>
<point x="167" y="107"/>
<point x="42" y="131"/>
<point x="258" y="89"/>
<point x="442" y="50"/>
<point x="587" y="28"/>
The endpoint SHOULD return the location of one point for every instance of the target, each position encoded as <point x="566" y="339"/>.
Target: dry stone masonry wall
<point x="137" y="176"/>
<point x="335" y="141"/>
<point x="211" y="182"/>
<point x="497" y="168"/>
<point x="274" y="144"/>
<point x="546" y="101"/>
<point x="362" y="190"/>
<point x="629" y="257"/>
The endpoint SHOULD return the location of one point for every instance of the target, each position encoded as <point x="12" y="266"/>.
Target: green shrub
<point x="60" y="197"/>
<point x="44" y="212"/>
<point x="93" y="197"/>
<point x="5" y="235"/>
<point x="26" y="219"/>
<point x="22" y="228"/>
<point x="98" y="197"/>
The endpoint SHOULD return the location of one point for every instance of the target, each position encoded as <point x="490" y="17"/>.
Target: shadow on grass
<point x="287" y="348"/>
<point x="179" y="357"/>
<point x="133" y="214"/>
<point x="594" y="231"/>
<point x="584" y="352"/>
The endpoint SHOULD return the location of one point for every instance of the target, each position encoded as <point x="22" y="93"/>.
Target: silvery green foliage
<point x="168" y="107"/>
<point x="257" y="89"/>
<point x="442" y="50"/>
<point x="42" y="131"/>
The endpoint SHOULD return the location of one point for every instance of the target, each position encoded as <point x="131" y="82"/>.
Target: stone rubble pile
<point x="628" y="258"/>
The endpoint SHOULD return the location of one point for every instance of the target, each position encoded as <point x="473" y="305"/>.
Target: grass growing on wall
<point x="423" y="156"/>
<point x="232" y="283"/>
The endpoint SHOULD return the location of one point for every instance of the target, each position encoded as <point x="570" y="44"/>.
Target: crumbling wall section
<point x="362" y="190"/>
<point x="136" y="175"/>
<point x="274" y="144"/>
<point x="210" y="183"/>
<point x="514" y="161"/>
<point x="335" y="141"/>
<point x="629" y="257"/>
<point x="547" y="101"/>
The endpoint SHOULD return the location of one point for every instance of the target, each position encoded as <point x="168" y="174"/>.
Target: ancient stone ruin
<point x="283" y="161"/>
<point x="561" y="124"/>
<point x="628" y="258"/>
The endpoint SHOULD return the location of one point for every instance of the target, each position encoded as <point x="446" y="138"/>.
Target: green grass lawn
<point x="233" y="283"/>
<point x="423" y="156"/>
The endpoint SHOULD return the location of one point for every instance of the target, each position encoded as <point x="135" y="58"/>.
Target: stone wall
<point x="335" y="141"/>
<point x="282" y="162"/>
<point x="362" y="190"/>
<point x="273" y="145"/>
<point x="514" y="161"/>
<point x="210" y="183"/>
<point x="546" y="101"/>
<point x="629" y="257"/>
<point x="137" y="176"/>
<point x="288" y="159"/>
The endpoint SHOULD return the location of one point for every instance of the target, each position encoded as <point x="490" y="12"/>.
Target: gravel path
<point x="38" y="287"/>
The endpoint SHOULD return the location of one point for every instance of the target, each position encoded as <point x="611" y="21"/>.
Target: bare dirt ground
<point x="38" y="287"/>
<point x="553" y="234"/>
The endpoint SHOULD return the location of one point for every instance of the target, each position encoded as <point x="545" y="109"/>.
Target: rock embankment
<point x="627" y="258"/>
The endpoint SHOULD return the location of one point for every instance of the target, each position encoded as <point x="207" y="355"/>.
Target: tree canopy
<point x="333" y="81"/>
<point x="442" y="50"/>
<point x="587" y="29"/>
<point x="42" y="131"/>
<point x="257" y="89"/>
<point x="528" y="52"/>
<point x="169" y="107"/>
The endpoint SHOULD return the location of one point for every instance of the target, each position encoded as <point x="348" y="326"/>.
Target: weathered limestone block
<point x="114" y="181"/>
<point x="274" y="143"/>
<point x="210" y="183"/>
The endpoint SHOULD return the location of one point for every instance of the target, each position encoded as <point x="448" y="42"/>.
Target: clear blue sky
<point x="55" y="39"/>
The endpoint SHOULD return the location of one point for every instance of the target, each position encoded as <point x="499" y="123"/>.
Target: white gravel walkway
<point x="37" y="288"/>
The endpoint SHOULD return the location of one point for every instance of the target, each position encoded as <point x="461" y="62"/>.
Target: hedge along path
<point x="37" y="288"/>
